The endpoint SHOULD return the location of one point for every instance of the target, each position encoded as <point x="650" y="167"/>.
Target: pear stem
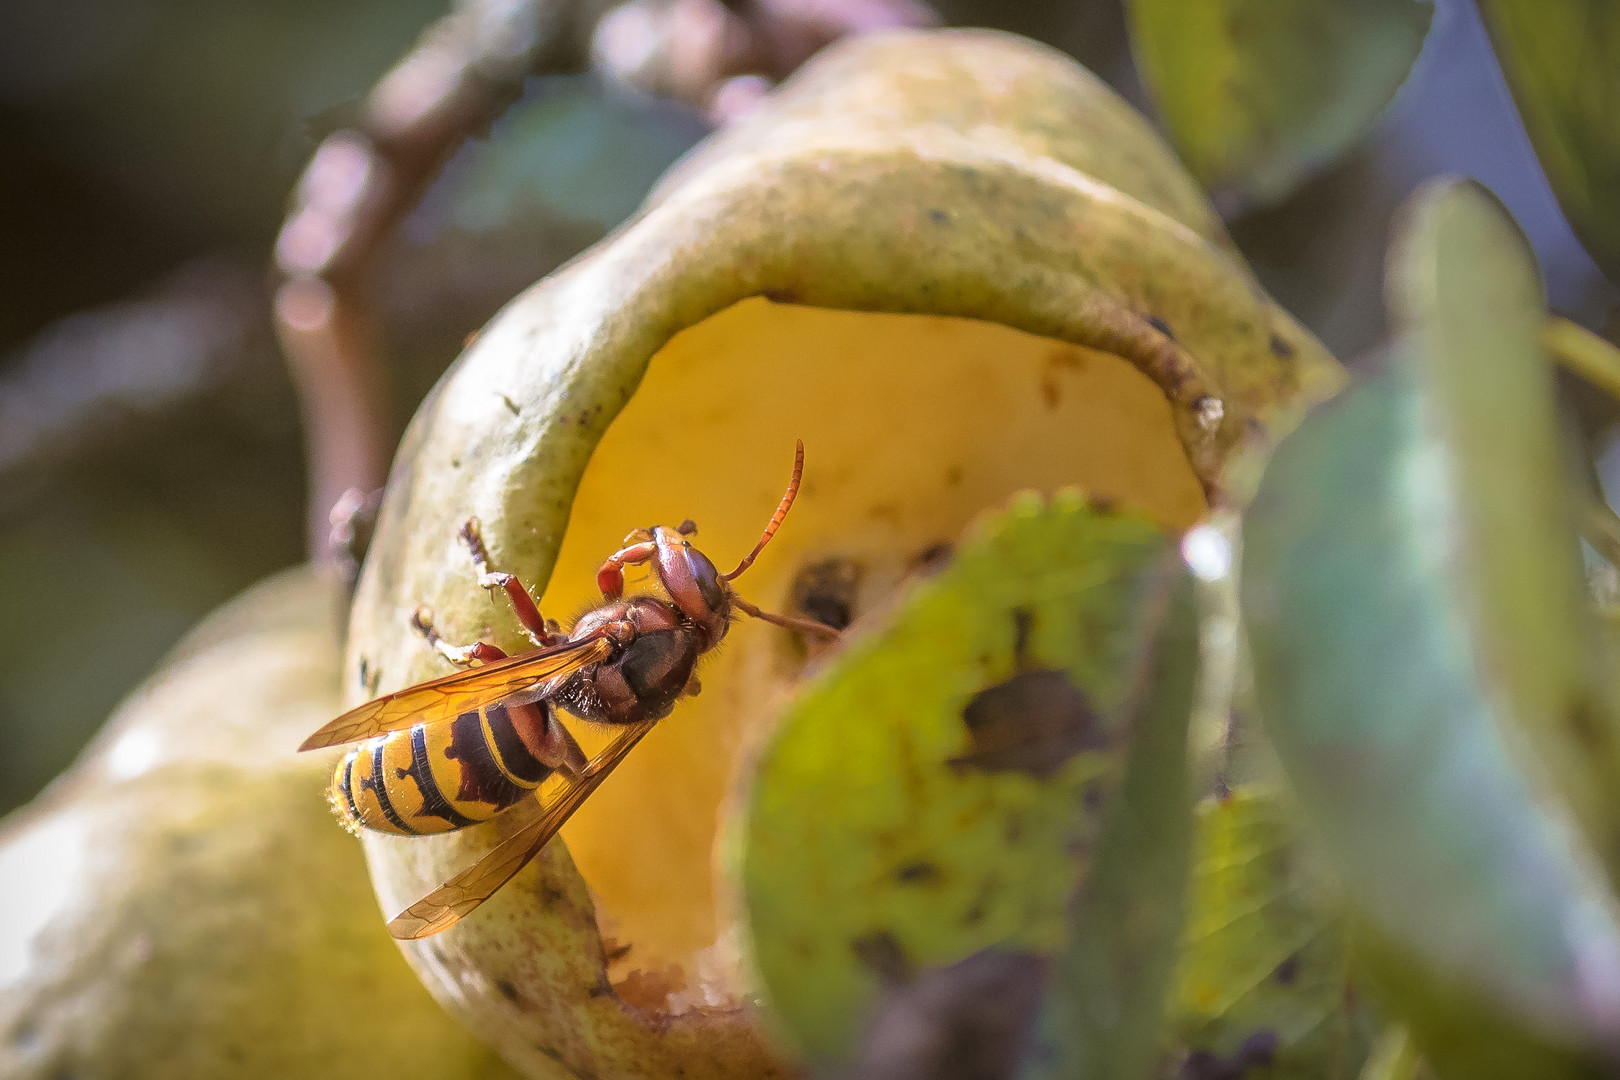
<point x="1583" y="353"/>
<point x="1601" y="529"/>
<point x="361" y="183"/>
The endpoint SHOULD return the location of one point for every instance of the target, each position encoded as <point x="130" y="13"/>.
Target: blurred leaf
<point x="1465" y="296"/>
<point x="938" y="790"/>
<point x="1103" y="1013"/>
<point x="585" y="149"/>
<point x="1410" y="596"/>
<point x="563" y="166"/>
<point x="1258" y="94"/>
<point x="1262" y="987"/>
<point x="1395" y="1057"/>
<point x="1562" y="62"/>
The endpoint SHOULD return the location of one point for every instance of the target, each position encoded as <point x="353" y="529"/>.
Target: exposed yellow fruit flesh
<point x="912" y="425"/>
<point x="997" y="182"/>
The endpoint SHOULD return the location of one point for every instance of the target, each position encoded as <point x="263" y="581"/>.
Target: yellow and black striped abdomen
<point x="432" y="778"/>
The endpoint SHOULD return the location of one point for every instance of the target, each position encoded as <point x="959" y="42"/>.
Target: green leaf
<point x="1103" y="1013"/>
<point x="1424" y="669"/>
<point x="1466" y="298"/>
<point x="1258" y="94"/>
<point x="1262" y="986"/>
<point x="930" y="802"/>
<point x="1562" y="62"/>
<point x="1395" y="1057"/>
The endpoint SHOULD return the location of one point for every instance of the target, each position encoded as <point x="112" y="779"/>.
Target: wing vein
<point x="544" y="670"/>
<point x="459" y="896"/>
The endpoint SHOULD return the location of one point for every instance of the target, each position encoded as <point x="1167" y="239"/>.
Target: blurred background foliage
<point x="150" y="458"/>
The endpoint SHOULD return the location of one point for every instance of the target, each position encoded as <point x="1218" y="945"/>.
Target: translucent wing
<point x="452" y="901"/>
<point x="534" y="674"/>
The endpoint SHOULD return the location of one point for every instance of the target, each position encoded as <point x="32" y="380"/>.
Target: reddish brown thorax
<point x="649" y="671"/>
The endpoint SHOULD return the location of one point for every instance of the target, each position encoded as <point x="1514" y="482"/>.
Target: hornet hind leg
<point x="541" y="631"/>
<point x="460" y="655"/>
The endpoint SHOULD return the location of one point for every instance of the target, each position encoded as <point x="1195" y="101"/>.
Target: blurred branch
<point x="1584" y="353"/>
<point x="724" y="55"/>
<point x="1601" y="528"/>
<point x="464" y="72"/>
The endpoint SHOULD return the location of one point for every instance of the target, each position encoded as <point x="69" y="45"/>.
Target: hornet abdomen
<point x="432" y="778"/>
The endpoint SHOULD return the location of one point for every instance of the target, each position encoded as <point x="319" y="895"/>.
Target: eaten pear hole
<point x="912" y="426"/>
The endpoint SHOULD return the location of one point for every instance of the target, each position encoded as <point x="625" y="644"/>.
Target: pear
<point x="180" y="903"/>
<point x="957" y="266"/>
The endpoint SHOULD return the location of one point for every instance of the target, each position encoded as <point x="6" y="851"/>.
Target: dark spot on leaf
<point x="1094" y="797"/>
<point x="1256" y="1052"/>
<point x="455" y="463"/>
<point x="1261" y="1046"/>
<point x="612" y="950"/>
<point x="938" y="217"/>
<point x="917" y="872"/>
<point x="511" y="405"/>
<point x="1161" y="326"/>
<point x="968" y="1021"/>
<point x="507" y="990"/>
<point x="1033" y="723"/>
<point x="988" y="896"/>
<point x="1104" y="504"/>
<point x="953" y="476"/>
<point x="826" y="591"/>
<point x="1287" y="972"/>
<point x="1023" y="625"/>
<point x="1014" y="831"/>
<point x="1586" y="724"/>
<point x="1281" y="349"/>
<point x="880" y="953"/>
